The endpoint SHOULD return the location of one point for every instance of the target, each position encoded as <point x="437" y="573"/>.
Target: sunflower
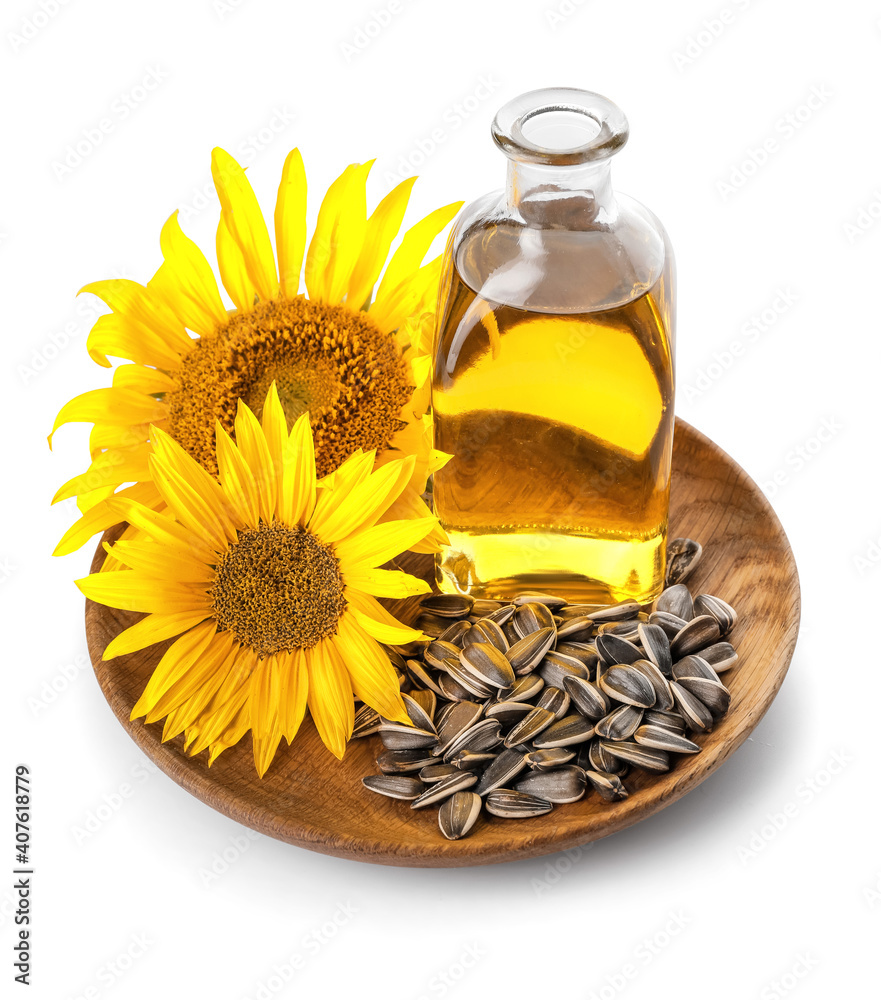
<point x="267" y="582"/>
<point x="355" y="361"/>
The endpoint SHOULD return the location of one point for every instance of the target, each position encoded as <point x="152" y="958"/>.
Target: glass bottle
<point x="553" y="381"/>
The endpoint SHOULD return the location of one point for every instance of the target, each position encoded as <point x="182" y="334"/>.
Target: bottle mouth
<point x="560" y="125"/>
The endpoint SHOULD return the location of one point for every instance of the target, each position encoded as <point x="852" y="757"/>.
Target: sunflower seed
<point x="617" y="612"/>
<point x="695" y="713"/>
<point x="500" y="616"/>
<point x="488" y="663"/>
<point x="404" y="761"/>
<point x="720" y="656"/>
<point x="367" y="721"/>
<point x="725" y="615"/>
<point x="503" y="769"/>
<point x="461" y="716"/>
<point x="656" y="643"/>
<point x="693" y="666"/>
<point x="529" y="727"/>
<point x="610" y="786"/>
<point x="638" y="755"/>
<point x="440" y="790"/>
<point x="628" y="685"/>
<point x="661" y="738"/>
<point x="427" y="701"/>
<point x="527" y="652"/>
<point x="508" y="712"/>
<point x="547" y="760"/>
<point x="620" y="724"/>
<point x="534" y="597"/>
<point x="483" y="608"/>
<point x="525" y="688"/>
<point x="591" y="701"/>
<point x="399" y="737"/>
<point x="713" y="694"/>
<point x="420" y="676"/>
<point x="450" y="688"/>
<point x="669" y="720"/>
<point x="469" y="760"/>
<point x="566" y="784"/>
<point x="698" y="633"/>
<point x="432" y="625"/>
<point x="585" y="652"/>
<point x="435" y="772"/>
<point x="398" y="661"/>
<point x="671" y="624"/>
<point x="564" y="732"/>
<point x="394" y="786"/>
<point x="448" y="605"/>
<point x="455" y="634"/>
<point x="509" y="804"/>
<point x="487" y="631"/>
<point x="683" y="554"/>
<point x="418" y="716"/>
<point x="581" y="624"/>
<point x="457" y="816"/>
<point x="613" y="649"/>
<point x="483" y="735"/>
<point x="675" y="600"/>
<point x="663" y="697"/>
<point x="467" y="679"/>
<point x="624" y="630"/>
<point x="574" y="611"/>
<point x="554" y="700"/>
<point x="530" y="618"/>
<point x="554" y="669"/>
<point x="599" y="760"/>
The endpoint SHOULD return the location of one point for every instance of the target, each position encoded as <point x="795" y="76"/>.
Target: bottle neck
<point x="571" y="196"/>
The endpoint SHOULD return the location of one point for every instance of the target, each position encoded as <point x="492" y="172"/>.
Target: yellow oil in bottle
<point x="559" y="421"/>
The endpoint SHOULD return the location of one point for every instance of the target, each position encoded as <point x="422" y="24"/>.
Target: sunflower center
<point x="328" y="359"/>
<point x="278" y="588"/>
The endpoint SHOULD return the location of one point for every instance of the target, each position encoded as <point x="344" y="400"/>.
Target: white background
<point x="766" y="880"/>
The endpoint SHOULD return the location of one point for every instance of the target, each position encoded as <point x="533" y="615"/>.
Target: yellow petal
<point x="175" y="662"/>
<point x="338" y="236"/>
<point x="330" y="697"/>
<point x="158" y="561"/>
<point x="290" y="223"/>
<point x="414" y="246"/>
<point x="189" y="507"/>
<point x="411" y="505"/>
<point x="376" y="545"/>
<point x="110" y="406"/>
<point x="233" y="272"/>
<point x="141" y="379"/>
<point x="110" y="469"/>
<point x="120" y="338"/>
<point x="408" y="298"/>
<point x="263" y="704"/>
<point x="129" y="591"/>
<point x="186" y="282"/>
<point x="245" y="222"/>
<point x="254" y="449"/>
<point x="103" y="516"/>
<point x="334" y="487"/>
<point x="382" y="228"/>
<point x="296" y="500"/>
<point x="225" y="725"/>
<point x="274" y="425"/>
<point x="236" y="478"/>
<point x="385" y="582"/>
<point x="372" y="676"/>
<point x="104" y="436"/>
<point x="161" y="528"/>
<point x="192" y="702"/>
<point x="363" y="504"/>
<point x="377" y="622"/>
<point x="293" y="691"/>
<point x="152" y="629"/>
<point x="142" y="309"/>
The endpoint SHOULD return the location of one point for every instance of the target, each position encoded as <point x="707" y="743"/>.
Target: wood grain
<point x="309" y="799"/>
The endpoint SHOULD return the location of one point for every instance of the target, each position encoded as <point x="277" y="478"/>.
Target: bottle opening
<point x="560" y="129"/>
<point x="560" y="125"/>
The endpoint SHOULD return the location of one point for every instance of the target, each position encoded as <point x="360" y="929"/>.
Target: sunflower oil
<point x="555" y="399"/>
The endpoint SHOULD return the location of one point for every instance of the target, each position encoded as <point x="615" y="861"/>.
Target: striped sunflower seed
<point x="527" y="652"/>
<point x="610" y="786"/>
<point x="503" y="769"/>
<point x="629" y="685"/>
<point x="448" y="605"/>
<point x="457" y="816"/>
<point x="490" y="665"/>
<point x="683" y="554"/>
<point x="394" y="786"/>
<point x="509" y="804"/>
<point x="591" y="701"/>
<point x="547" y="760"/>
<point x="564" y="732"/>
<point x="442" y="789"/>
<point x="619" y="724"/>
<point x="698" y="633"/>
<point x="640" y="756"/>
<point x="662" y="738"/>
<point x="565" y="784"/>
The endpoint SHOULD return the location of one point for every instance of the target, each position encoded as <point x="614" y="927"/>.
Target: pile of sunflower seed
<point x="518" y="707"/>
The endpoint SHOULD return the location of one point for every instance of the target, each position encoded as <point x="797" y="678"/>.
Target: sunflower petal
<point x="264" y="704"/>
<point x="110" y="406"/>
<point x="376" y="545"/>
<point x="296" y="500"/>
<point x="189" y="507"/>
<point x="129" y="591"/>
<point x="254" y="448"/>
<point x="186" y="282"/>
<point x="236" y="478"/>
<point x="408" y="298"/>
<point x="386" y="582"/>
<point x="141" y="379"/>
<point x="245" y="221"/>
<point x="371" y="673"/>
<point x="103" y="516"/>
<point x="189" y="698"/>
<point x="152" y="629"/>
<point x="159" y="561"/>
<point x="290" y="223"/>
<point x="330" y="697"/>
<point x="233" y="272"/>
<point x="160" y="527"/>
<point x="382" y="228"/>
<point x="293" y="691"/>
<point x="143" y="309"/>
<point x="110" y="469"/>
<point x="116" y="336"/>
<point x="175" y="662"/>
<point x="377" y="622"/>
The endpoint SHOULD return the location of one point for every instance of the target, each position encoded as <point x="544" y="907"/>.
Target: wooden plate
<point x="309" y="799"/>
